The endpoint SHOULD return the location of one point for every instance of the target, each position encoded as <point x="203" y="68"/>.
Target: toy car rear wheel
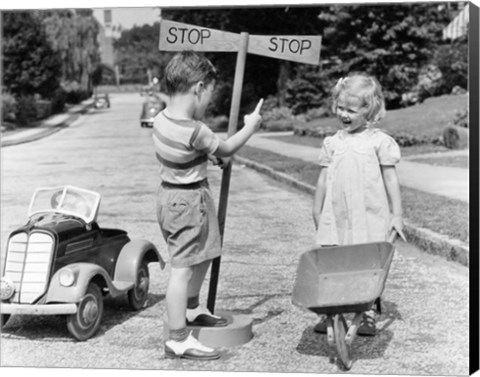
<point x="4" y="319"/>
<point x="137" y="296"/>
<point x="85" y="322"/>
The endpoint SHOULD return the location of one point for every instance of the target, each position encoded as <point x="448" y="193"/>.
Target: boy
<point x="185" y="208"/>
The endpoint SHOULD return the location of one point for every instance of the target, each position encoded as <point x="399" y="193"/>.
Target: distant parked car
<point x="150" y="108"/>
<point x="62" y="263"/>
<point x="101" y="101"/>
<point x="146" y="90"/>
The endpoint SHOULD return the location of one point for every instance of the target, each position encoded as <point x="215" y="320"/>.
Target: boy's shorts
<point x="189" y="224"/>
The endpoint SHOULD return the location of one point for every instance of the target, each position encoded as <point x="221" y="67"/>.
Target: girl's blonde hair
<point x="367" y="89"/>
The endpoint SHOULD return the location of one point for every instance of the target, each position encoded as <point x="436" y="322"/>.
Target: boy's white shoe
<point x="203" y="317"/>
<point x="191" y="349"/>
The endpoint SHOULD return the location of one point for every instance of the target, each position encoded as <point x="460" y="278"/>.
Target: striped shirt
<point x="182" y="148"/>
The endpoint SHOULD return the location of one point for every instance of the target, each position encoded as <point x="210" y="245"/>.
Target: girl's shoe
<point x="202" y="317"/>
<point x="321" y="327"/>
<point x="190" y="349"/>
<point x="367" y="325"/>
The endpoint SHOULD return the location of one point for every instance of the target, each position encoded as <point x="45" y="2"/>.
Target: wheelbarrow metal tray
<point x="342" y="279"/>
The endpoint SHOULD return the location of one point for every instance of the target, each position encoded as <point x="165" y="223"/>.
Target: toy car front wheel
<point x="85" y="322"/>
<point x="4" y="319"/>
<point x="137" y="296"/>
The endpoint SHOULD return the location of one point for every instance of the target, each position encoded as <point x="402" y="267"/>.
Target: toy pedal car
<point x="62" y="263"/>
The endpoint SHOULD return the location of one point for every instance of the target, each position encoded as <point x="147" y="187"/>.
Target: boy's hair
<point x="186" y="69"/>
<point x="365" y="87"/>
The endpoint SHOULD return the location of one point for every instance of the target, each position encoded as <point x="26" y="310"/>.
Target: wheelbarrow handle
<point x="393" y="236"/>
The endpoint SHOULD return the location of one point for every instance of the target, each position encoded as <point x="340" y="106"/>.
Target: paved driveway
<point x="423" y="329"/>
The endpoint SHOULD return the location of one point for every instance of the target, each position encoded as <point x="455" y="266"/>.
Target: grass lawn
<point x="317" y="142"/>
<point x="427" y="119"/>
<point x="414" y="150"/>
<point x="440" y="214"/>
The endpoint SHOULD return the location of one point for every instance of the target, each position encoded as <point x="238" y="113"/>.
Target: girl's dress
<point x="356" y="208"/>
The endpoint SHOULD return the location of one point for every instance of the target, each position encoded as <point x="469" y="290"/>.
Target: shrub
<point x="43" y="108"/>
<point x="314" y="131"/>
<point x="277" y="113"/>
<point x="452" y="60"/>
<point x="74" y="93"/>
<point x="58" y="100"/>
<point x="306" y="93"/>
<point x="429" y="84"/>
<point x="451" y="137"/>
<point x="316" y="113"/>
<point x="9" y="106"/>
<point x="279" y="125"/>
<point x="26" y="111"/>
<point x="269" y="104"/>
<point x="461" y="118"/>
<point x="405" y="139"/>
<point x="218" y="123"/>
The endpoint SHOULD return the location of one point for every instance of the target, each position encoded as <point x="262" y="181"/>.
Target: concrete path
<point x="47" y="126"/>
<point x="446" y="181"/>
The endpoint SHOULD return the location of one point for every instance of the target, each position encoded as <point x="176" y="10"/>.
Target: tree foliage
<point x="30" y="64"/>
<point x="137" y="52"/>
<point x="73" y="34"/>
<point x="389" y="41"/>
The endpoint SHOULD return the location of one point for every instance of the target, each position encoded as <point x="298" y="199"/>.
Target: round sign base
<point x="237" y="332"/>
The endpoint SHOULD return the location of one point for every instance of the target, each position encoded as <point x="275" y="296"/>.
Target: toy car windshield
<point x="66" y="200"/>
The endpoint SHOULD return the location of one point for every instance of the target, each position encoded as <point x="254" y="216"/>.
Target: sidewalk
<point x="46" y="127"/>
<point x="446" y="181"/>
<point x="440" y="180"/>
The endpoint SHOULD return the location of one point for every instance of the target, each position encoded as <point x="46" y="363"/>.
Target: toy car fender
<point x="80" y="275"/>
<point x="131" y="256"/>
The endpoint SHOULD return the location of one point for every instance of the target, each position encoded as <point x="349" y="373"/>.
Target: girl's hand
<point x="396" y="225"/>
<point x="254" y="119"/>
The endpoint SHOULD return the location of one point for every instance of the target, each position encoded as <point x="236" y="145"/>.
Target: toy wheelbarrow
<point x="342" y="279"/>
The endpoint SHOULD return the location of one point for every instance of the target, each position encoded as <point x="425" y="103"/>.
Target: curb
<point x="426" y="239"/>
<point x="47" y="131"/>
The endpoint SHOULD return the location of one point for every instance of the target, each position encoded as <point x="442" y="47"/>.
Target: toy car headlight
<point x="66" y="277"/>
<point x="7" y="289"/>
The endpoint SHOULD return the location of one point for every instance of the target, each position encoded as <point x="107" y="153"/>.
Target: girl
<point x="357" y="199"/>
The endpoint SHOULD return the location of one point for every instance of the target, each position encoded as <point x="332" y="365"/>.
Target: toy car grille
<point x="28" y="265"/>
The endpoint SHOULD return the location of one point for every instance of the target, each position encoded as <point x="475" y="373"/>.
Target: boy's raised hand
<point x="254" y="119"/>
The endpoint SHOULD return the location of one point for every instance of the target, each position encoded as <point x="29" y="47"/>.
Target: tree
<point x="137" y="52"/>
<point x="73" y="34"/>
<point x="389" y="41"/>
<point x="30" y="65"/>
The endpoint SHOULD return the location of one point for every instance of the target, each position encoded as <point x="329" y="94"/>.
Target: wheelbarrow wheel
<point x="340" y="331"/>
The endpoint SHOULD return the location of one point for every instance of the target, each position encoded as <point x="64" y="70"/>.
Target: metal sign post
<point x="176" y="36"/>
